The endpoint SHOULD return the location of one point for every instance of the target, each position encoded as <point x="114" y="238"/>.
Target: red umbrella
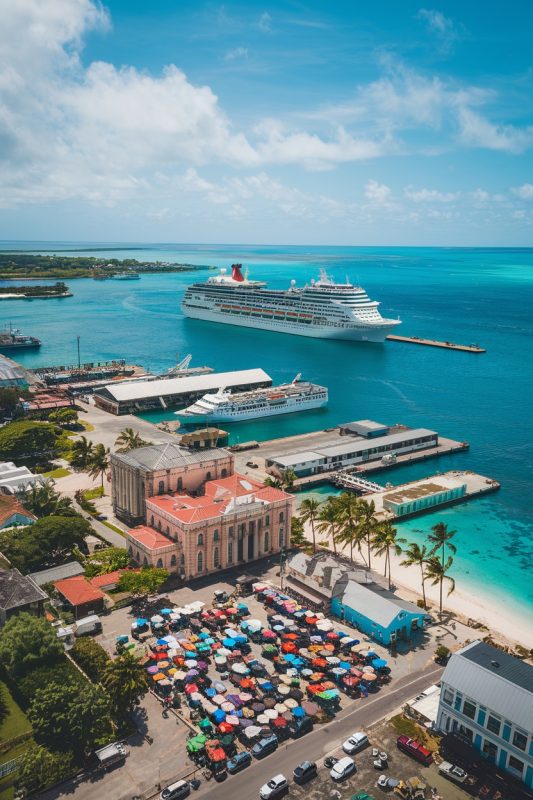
<point x="356" y="672"/>
<point x="332" y="635"/>
<point x="290" y="636"/>
<point x="225" y="727"/>
<point x="279" y="722"/>
<point x="190" y="688"/>
<point x="161" y="656"/>
<point x="289" y="647"/>
<point x="321" y="663"/>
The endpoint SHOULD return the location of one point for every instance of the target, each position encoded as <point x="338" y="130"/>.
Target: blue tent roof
<point x="379" y="662"/>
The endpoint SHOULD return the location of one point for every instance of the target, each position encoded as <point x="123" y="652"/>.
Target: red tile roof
<point x="218" y="494"/>
<point x="109" y="579"/>
<point x="78" y="590"/>
<point x="9" y="505"/>
<point x="149" y="537"/>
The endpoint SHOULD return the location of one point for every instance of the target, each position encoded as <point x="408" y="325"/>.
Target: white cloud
<point x="236" y="54"/>
<point x="443" y="28"/>
<point x="377" y="193"/>
<point x="265" y="22"/>
<point x="430" y="195"/>
<point x="476" y="131"/>
<point x="525" y="192"/>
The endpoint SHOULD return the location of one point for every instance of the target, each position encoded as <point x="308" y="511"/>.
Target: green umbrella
<point x="197" y="743"/>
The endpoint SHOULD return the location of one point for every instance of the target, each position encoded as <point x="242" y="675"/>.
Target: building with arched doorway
<point x="234" y="521"/>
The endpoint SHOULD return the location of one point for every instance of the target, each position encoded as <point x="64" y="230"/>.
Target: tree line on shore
<point x="349" y="522"/>
<point x="33" y="265"/>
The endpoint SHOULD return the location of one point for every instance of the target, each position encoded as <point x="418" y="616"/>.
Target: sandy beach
<point x="505" y="622"/>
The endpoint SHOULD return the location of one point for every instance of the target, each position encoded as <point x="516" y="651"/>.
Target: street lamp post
<point x="281" y="566"/>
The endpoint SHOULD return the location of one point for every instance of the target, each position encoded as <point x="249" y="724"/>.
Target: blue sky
<point x="267" y="122"/>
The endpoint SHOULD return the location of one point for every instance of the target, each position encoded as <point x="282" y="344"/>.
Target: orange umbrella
<point x="159" y="676"/>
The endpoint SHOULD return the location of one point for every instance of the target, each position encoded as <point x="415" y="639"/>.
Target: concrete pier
<point x="467" y="348"/>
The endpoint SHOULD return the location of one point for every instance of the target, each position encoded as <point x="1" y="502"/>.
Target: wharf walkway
<point x="467" y="348"/>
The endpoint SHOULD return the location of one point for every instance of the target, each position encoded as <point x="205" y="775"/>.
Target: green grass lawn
<point x="92" y="494"/>
<point x="16" y="721"/>
<point x="113" y="528"/>
<point x="60" y="472"/>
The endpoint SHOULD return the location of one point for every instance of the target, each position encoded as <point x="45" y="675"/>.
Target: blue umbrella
<point x="219" y="716"/>
<point x="298" y="712"/>
<point x="166" y="611"/>
<point x="210" y="692"/>
<point x="203" y="636"/>
<point x="141" y="622"/>
<point x="230" y="643"/>
<point x="162" y="641"/>
<point x="379" y="662"/>
<point x="345" y="664"/>
<point x="267" y="686"/>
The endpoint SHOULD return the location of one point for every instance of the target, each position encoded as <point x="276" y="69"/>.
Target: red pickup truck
<point x="414" y="749"/>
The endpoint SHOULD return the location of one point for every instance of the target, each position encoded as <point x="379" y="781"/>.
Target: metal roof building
<point x="487" y="697"/>
<point x="156" y="457"/>
<point x="69" y="570"/>
<point x="130" y="397"/>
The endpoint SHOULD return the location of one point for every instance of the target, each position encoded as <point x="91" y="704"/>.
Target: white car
<point x="356" y="742"/>
<point x="343" y="769"/>
<point x="274" y="788"/>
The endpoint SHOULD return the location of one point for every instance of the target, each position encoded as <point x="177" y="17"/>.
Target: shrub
<point x="91" y="657"/>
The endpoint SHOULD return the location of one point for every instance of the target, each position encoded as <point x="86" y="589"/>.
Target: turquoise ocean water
<point x="464" y="295"/>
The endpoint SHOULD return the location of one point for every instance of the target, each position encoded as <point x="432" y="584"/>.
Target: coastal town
<point x="266" y="450"/>
<point x="205" y="609"/>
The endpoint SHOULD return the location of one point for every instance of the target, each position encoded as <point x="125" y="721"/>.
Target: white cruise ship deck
<point x="323" y="309"/>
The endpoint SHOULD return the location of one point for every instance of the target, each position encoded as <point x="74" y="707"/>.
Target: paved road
<point x="323" y="740"/>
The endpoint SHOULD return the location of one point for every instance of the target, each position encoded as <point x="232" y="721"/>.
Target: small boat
<point x="126" y="276"/>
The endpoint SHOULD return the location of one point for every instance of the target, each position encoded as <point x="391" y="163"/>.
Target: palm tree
<point x="414" y="554"/>
<point x="367" y="525"/>
<point x="42" y="500"/>
<point x="309" y="509"/>
<point x="440" y="538"/>
<point x="128" y="440"/>
<point x="436" y="572"/>
<point x="384" y="540"/>
<point x="274" y="482"/>
<point x="125" y="681"/>
<point x="287" y="478"/>
<point x="348" y="517"/>
<point x="328" y="520"/>
<point x="82" y="450"/>
<point x="99" y="462"/>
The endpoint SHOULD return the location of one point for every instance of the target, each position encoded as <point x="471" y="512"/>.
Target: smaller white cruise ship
<point x="285" y="399"/>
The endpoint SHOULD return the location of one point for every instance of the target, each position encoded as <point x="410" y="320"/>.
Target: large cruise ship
<point x="284" y="399"/>
<point x="323" y="309"/>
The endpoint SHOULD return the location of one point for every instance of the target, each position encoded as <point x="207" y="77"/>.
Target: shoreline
<point x="510" y="626"/>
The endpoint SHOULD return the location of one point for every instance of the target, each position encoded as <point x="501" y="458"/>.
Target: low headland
<point x="58" y="289"/>
<point x="15" y="265"/>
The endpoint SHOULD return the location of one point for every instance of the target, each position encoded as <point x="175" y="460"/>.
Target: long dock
<point x="466" y="348"/>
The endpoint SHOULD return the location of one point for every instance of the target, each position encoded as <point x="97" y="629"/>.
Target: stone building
<point x="161" y="469"/>
<point x="234" y="521"/>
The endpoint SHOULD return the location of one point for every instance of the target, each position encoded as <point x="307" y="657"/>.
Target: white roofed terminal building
<point x="130" y="397"/>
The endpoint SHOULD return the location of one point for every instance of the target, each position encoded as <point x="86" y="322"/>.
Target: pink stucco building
<point x="233" y="521"/>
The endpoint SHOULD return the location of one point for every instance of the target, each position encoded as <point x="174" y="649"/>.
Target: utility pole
<point x="79" y="360"/>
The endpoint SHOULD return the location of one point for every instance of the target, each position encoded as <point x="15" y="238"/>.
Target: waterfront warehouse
<point x="131" y="397"/>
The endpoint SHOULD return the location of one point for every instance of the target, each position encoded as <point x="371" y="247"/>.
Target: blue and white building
<point x="487" y="697"/>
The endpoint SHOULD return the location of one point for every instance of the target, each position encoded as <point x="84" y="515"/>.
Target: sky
<point x="275" y="122"/>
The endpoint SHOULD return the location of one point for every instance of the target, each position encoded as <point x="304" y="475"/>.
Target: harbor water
<point x="468" y="296"/>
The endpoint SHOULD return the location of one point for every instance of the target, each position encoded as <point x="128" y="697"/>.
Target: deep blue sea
<point x="476" y="295"/>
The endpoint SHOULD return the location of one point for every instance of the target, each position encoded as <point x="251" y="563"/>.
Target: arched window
<point x="216" y="537"/>
<point x="267" y="519"/>
<point x="230" y="552"/>
<point x="200" y="540"/>
<point x="173" y="561"/>
<point x="145" y="562"/>
<point x="138" y="557"/>
<point x="208" y="476"/>
<point x="161" y="487"/>
<point x="230" y="532"/>
<point x="179" y="485"/>
<point x="182" y="560"/>
<point x="266" y="542"/>
<point x="200" y="562"/>
<point x="158" y="524"/>
<point x="168" y="530"/>
<point x="216" y="558"/>
<point x="224" y="473"/>
<point x="130" y="550"/>
<point x="281" y="516"/>
<point x="281" y="537"/>
<point x="159" y="564"/>
<point x="152" y="520"/>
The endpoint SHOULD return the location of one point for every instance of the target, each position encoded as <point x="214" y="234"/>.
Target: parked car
<point x="299" y="727"/>
<point x="274" y="788"/>
<point x="238" y="762"/>
<point x="176" y="791"/>
<point x="305" y="771"/>
<point x="265" y="746"/>
<point x="385" y="783"/>
<point x="356" y="742"/>
<point x="414" y="749"/>
<point x="343" y="769"/>
<point x="452" y="772"/>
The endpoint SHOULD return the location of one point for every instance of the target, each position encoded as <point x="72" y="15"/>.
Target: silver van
<point x="176" y="791"/>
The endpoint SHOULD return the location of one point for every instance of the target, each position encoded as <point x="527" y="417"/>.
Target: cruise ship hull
<point x="375" y="334"/>
<point x="271" y="411"/>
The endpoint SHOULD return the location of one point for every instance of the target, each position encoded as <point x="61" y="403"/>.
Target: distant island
<point x="29" y="266"/>
<point x="58" y="289"/>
